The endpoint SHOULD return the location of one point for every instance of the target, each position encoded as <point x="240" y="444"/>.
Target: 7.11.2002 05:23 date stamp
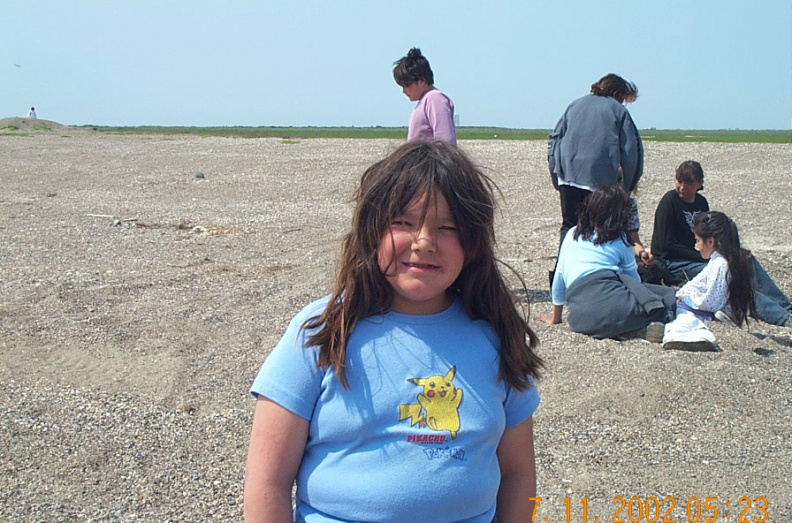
<point x="659" y="510"/>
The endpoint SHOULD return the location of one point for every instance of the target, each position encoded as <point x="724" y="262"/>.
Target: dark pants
<point x="571" y="200"/>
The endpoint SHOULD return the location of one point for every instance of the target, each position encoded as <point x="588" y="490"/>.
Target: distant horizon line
<point x="404" y="127"/>
<point x="22" y="126"/>
<point x="388" y="127"/>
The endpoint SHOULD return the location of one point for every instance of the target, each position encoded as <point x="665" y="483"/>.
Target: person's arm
<point x="558" y="288"/>
<point x="631" y="151"/>
<point x="518" y="474"/>
<point x="441" y="117"/>
<point x="557" y="295"/>
<point x="708" y="291"/>
<point x="551" y="318"/>
<point x="277" y="443"/>
<point x="645" y="257"/>
<point x="554" y="149"/>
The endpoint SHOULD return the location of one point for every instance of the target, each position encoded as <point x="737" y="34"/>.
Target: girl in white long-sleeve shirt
<point x="724" y="284"/>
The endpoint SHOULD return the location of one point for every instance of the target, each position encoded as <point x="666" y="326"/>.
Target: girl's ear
<point x="710" y="242"/>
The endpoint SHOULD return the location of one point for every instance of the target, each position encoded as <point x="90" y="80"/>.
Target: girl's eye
<point x="448" y="228"/>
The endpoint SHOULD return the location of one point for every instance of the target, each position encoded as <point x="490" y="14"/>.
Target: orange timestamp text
<point x="655" y="509"/>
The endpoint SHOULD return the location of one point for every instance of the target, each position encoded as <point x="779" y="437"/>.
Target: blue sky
<point x="704" y="64"/>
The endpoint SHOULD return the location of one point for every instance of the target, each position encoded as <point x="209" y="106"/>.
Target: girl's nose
<point x="424" y="239"/>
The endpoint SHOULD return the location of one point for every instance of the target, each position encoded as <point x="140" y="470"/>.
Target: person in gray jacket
<point x="595" y="143"/>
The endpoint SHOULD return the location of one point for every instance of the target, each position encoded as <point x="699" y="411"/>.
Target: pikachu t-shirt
<point x="414" y="436"/>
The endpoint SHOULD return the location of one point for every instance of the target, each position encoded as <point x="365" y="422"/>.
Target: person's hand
<point x="647" y="259"/>
<point x="679" y="298"/>
<point x="548" y="318"/>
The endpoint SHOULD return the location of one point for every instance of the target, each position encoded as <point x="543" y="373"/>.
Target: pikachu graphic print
<point x="438" y="404"/>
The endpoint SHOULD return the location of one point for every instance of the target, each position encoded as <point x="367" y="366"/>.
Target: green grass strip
<point x="463" y="133"/>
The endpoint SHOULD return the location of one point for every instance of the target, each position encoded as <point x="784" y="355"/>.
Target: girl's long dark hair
<point x="386" y="189"/>
<point x="742" y="299"/>
<point x="604" y="215"/>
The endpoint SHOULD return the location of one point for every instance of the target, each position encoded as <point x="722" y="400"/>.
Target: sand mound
<point x="28" y="125"/>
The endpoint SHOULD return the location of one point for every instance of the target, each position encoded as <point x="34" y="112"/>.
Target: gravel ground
<point x="138" y="300"/>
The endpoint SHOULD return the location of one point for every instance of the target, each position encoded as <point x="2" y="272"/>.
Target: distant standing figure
<point x="593" y="139"/>
<point x="32" y="113"/>
<point x="433" y="117"/>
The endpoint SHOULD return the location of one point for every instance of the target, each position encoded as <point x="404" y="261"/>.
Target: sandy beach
<point x="144" y="279"/>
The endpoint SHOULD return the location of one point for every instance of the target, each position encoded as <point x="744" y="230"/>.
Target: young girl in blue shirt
<point x="597" y="275"/>
<point x="407" y="394"/>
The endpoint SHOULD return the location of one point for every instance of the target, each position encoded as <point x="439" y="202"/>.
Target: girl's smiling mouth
<point x="414" y="265"/>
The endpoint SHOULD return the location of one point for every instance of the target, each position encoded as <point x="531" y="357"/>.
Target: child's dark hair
<point x="690" y="171"/>
<point x="616" y="87"/>
<point x="412" y="67"/>
<point x="386" y="190"/>
<point x="714" y="224"/>
<point x="606" y="212"/>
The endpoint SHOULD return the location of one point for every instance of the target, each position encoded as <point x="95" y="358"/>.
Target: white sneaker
<point x="691" y="346"/>
<point x="722" y="317"/>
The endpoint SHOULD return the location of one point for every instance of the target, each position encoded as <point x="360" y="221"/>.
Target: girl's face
<point x="687" y="190"/>
<point x="705" y="246"/>
<point x="415" y="90"/>
<point x="421" y="261"/>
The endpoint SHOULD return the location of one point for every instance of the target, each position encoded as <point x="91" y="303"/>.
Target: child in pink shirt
<point x="433" y="117"/>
